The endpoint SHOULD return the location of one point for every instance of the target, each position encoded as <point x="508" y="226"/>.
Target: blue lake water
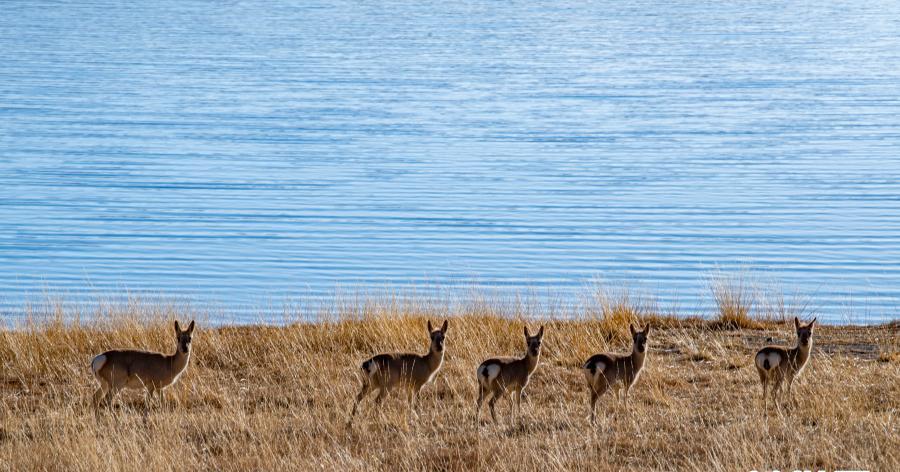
<point x="240" y="154"/>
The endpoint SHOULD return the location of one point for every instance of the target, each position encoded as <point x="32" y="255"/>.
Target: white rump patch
<point x="773" y="357"/>
<point x="599" y="368"/>
<point x="487" y="373"/>
<point x="98" y="363"/>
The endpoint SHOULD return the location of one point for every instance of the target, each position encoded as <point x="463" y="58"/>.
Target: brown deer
<point x="776" y="364"/>
<point x="498" y="375"/>
<point x="620" y="372"/>
<point x="385" y="372"/>
<point x="119" y="369"/>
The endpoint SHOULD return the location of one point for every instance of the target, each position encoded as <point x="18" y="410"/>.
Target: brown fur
<point x="776" y="364"/>
<point x="119" y="369"/>
<point x="385" y="372"/>
<point x="498" y="375"/>
<point x="620" y="372"/>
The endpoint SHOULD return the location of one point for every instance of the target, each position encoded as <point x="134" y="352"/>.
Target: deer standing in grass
<point x="119" y="369"/>
<point x="385" y="372"/>
<point x="777" y="364"/>
<point x="498" y="375"/>
<point x="620" y="372"/>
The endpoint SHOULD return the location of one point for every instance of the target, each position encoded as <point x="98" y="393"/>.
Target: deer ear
<point x="526" y="332"/>
<point x="811" y="323"/>
<point x="430" y="329"/>
<point x="796" y="323"/>
<point x="647" y="329"/>
<point x="444" y="327"/>
<point x="633" y="331"/>
<point x="541" y="332"/>
<point x="177" y="327"/>
<point x="190" y="328"/>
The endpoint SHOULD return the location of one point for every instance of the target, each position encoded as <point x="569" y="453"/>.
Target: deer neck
<point x="179" y="360"/>
<point x="800" y="354"/>
<point x="434" y="359"/>
<point x="637" y="358"/>
<point x="531" y="361"/>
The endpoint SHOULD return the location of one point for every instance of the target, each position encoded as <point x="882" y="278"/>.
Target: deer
<point x="776" y="364"/>
<point x="620" y="372"/>
<point x="387" y="372"/>
<point x="499" y="375"/>
<point x="133" y="369"/>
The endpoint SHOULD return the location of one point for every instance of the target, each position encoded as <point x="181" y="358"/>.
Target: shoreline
<point x="739" y="298"/>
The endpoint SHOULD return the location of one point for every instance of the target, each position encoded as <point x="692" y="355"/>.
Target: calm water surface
<point x="242" y="154"/>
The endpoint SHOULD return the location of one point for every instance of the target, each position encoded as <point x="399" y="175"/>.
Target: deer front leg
<point x="519" y="396"/>
<point x="414" y="401"/>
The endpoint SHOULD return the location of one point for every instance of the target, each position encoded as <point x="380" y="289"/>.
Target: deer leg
<point x="518" y="410"/>
<point x="765" y="391"/>
<point x="491" y="403"/>
<point x="413" y="396"/>
<point x="597" y="389"/>
<point x="776" y="389"/>
<point x="417" y="395"/>
<point x="381" y="393"/>
<point x="482" y="392"/>
<point x="359" y="397"/>
<point x="150" y="394"/>
<point x="100" y="394"/>
<point x="790" y="391"/>
<point x="111" y="395"/>
<point x="764" y="382"/>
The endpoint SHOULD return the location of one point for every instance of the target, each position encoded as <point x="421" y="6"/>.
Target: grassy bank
<point x="278" y="397"/>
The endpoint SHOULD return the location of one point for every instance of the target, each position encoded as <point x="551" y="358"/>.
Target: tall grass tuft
<point x="735" y="298"/>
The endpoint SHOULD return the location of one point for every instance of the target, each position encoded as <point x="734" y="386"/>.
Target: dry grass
<point x="278" y="397"/>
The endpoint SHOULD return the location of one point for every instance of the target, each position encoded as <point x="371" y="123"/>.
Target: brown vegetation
<point x="277" y="397"/>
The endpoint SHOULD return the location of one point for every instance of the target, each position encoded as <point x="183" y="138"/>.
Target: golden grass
<point x="266" y="397"/>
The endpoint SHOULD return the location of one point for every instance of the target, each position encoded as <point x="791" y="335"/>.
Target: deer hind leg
<point x="111" y="395"/>
<point x="776" y="389"/>
<point x="366" y="386"/>
<point x="483" y="392"/>
<point x="495" y="395"/>
<point x="594" y="398"/>
<point x="101" y="393"/>
<point x="764" y="383"/>
<point x="382" y="391"/>
<point x="597" y="390"/>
